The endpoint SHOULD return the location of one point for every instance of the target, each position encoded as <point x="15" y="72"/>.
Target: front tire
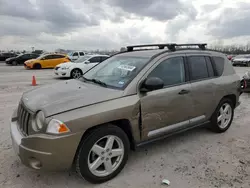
<point x="14" y="63"/>
<point x="102" y="154"/>
<point x="76" y="73"/>
<point x="37" y="66"/>
<point x="223" y="116"/>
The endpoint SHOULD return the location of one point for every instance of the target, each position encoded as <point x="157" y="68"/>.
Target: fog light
<point x="34" y="163"/>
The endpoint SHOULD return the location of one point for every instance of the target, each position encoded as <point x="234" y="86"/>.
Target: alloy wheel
<point x="76" y="74"/>
<point x="224" y="116"/>
<point x="105" y="156"/>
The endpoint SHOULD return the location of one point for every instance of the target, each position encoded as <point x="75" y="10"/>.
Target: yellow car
<point x="46" y="61"/>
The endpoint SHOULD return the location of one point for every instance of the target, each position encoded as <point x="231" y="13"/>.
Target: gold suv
<point x="130" y="99"/>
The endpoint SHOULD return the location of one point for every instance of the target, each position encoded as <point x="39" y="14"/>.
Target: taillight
<point x="245" y="84"/>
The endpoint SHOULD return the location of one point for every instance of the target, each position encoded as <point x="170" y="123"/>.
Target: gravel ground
<point x="197" y="158"/>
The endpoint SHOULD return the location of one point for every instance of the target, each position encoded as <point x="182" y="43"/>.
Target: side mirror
<point x="43" y="58"/>
<point x="152" y="83"/>
<point x="87" y="62"/>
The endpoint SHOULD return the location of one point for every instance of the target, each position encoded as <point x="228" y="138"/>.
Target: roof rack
<point x="170" y="46"/>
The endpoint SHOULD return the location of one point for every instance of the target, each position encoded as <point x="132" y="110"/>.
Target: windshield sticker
<point x="121" y="83"/>
<point x="127" y="67"/>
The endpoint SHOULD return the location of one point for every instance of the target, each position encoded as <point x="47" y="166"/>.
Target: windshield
<point x="82" y="59"/>
<point x="70" y="54"/>
<point x="117" y="71"/>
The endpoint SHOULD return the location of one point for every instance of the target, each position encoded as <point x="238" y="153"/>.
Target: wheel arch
<point x="36" y="64"/>
<point x="75" y="68"/>
<point x="124" y="124"/>
<point x="232" y="97"/>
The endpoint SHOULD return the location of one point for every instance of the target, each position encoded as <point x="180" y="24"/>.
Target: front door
<point x="91" y="63"/>
<point x="168" y="109"/>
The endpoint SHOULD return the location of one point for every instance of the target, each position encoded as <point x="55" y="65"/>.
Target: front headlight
<point x="57" y="127"/>
<point x="39" y="121"/>
<point x="65" y="68"/>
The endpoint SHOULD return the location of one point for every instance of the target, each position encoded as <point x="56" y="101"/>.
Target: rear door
<point x="203" y="86"/>
<point x="47" y="61"/>
<point x="24" y="58"/>
<point x="58" y="59"/>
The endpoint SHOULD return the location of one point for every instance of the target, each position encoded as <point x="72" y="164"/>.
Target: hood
<point x="67" y="64"/>
<point x="67" y="95"/>
<point x="30" y="60"/>
<point x="241" y="59"/>
<point x="10" y="58"/>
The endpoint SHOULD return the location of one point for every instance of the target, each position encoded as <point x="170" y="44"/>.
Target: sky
<point x="112" y="24"/>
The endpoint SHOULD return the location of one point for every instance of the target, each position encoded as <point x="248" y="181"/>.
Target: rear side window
<point x="81" y="53"/>
<point x="95" y="59"/>
<point x="198" y="67"/>
<point x="58" y="56"/>
<point x="209" y="67"/>
<point x="103" y="58"/>
<point x="219" y="65"/>
<point x="75" y="54"/>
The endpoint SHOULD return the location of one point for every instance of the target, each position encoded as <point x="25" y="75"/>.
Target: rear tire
<point x="102" y="154"/>
<point x="222" y="118"/>
<point x="37" y="66"/>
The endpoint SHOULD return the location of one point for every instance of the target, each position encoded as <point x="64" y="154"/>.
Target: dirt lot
<point x="197" y="158"/>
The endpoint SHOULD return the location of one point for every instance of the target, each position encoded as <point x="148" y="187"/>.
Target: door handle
<point x="183" y="92"/>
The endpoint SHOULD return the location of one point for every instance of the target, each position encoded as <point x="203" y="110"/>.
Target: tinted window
<point x="198" y="67"/>
<point x="49" y="57"/>
<point x="34" y="55"/>
<point x="25" y="56"/>
<point x="104" y="58"/>
<point x="81" y="53"/>
<point x="219" y="65"/>
<point x="95" y="59"/>
<point x="75" y="54"/>
<point x="209" y="67"/>
<point x="58" y="56"/>
<point x="171" y="71"/>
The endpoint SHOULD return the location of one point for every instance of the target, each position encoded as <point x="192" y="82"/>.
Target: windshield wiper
<point x="96" y="81"/>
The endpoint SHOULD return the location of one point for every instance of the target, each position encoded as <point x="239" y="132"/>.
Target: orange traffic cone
<point x="34" y="81"/>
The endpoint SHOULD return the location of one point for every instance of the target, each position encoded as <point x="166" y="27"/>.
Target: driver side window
<point x="171" y="71"/>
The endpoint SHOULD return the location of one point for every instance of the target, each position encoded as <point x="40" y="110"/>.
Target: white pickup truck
<point x="75" y="55"/>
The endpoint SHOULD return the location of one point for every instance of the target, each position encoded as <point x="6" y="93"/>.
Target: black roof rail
<point x="160" y="46"/>
<point x="202" y="46"/>
<point x="170" y="46"/>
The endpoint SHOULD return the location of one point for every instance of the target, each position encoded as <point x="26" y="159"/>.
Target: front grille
<point x="23" y="119"/>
